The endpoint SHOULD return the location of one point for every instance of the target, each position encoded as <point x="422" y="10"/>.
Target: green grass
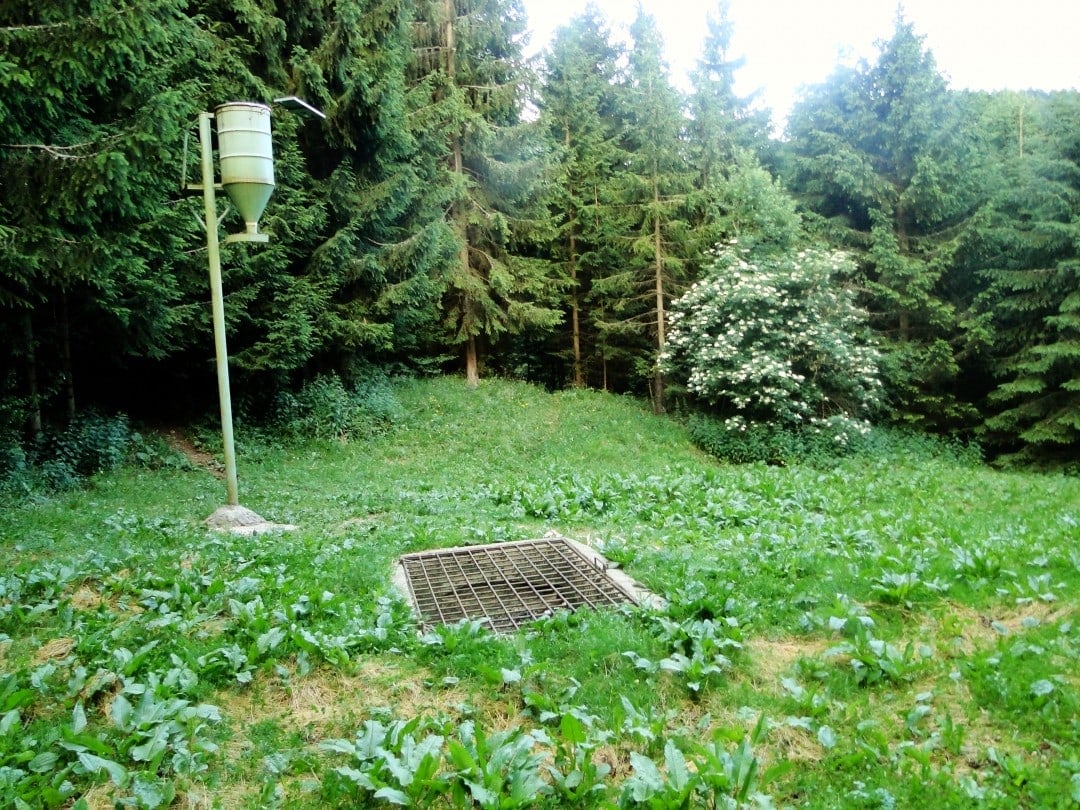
<point x="846" y="636"/>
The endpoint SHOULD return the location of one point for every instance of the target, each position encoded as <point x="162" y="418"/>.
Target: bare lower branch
<point x="18" y="29"/>
<point x="62" y="152"/>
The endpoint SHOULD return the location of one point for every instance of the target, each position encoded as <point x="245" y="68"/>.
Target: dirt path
<point x="200" y="458"/>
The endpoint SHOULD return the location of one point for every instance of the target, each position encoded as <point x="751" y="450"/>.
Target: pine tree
<point x="579" y="109"/>
<point x="1025" y="247"/>
<point x="881" y="156"/>
<point x="469" y="66"/>
<point x="655" y="186"/>
<point x="94" y="102"/>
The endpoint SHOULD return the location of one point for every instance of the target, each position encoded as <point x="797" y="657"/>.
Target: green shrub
<point x="318" y="410"/>
<point x="755" y="443"/>
<point x="325" y="408"/>
<point x="376" y="407"/>
<point x="884" y="442"/>
<point x="56" y="475"/>
<point x="61" y="458"/>
<point x="738" y="441"/>
<point x="151" y="451"/>
<point x="90" y="444"/>
<point x="15" y="472"/>
<point x="777" y="341"/>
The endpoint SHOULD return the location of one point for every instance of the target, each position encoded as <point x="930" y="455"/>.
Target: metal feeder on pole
<point x="246" y="154"/>
<point x="247" y="177"/>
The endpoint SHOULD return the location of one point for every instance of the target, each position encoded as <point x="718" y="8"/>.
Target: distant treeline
<point x="463" y="209"/>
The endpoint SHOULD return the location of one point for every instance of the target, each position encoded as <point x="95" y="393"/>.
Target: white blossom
<point x="777" y="339"/>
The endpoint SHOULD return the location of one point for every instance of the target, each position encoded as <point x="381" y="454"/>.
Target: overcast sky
<point x="978" y="44"/>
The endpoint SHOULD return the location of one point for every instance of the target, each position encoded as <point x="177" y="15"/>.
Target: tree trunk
<point x="575" y="325"/>
<point x="575" y="300"/>
<point x="65" y="358"/>
<point x="661" y="331"/>
<point x="472" y="373"/>
<point x="1021" y="135"/>
<point x="575" y="314"/>
<point x="33" y="394"/>
<point x="902" y="244"/>
<point x="448" y="35"/>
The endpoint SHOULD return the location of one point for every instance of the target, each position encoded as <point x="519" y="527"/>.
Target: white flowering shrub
<point x="776" y="340"/>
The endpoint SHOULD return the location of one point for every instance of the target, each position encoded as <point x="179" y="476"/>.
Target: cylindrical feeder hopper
<point x="247" y="162"/>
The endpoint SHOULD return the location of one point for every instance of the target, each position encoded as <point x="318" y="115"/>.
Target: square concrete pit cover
<point x="510" y="584"/>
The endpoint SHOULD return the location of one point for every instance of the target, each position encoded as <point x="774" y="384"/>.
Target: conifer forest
<point x="805" y="386"/>
<point x="901" y="253"/>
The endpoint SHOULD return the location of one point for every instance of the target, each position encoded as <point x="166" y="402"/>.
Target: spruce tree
<point x="655" y="183"/>
<point x="727" y="138"/>
<point x="881" y="155"/>
<point x="384" y="242"/>
<point x="94" y="102"/>
<point x="468" y="65"/>
<point x="94" y="126"/>
<point x="722" y="123"/>
<point x="1024" y="246"/>
<point x="579" y="109"/>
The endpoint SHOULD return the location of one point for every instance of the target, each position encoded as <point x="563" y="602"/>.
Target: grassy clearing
<point x="854" y="636"/>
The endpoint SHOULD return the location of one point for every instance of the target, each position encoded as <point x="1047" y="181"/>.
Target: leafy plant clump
<point x="443" y="763"/>
<point x="739" y="442"/>
<point x="61" y="459"/>
<point x="326" y="408"/>
<point x="776" y="339"/>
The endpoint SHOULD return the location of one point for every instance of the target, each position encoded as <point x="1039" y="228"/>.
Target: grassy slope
<point x="903" y="620"/>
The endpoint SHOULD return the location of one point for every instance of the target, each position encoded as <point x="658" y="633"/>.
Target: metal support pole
<point x="217" y="304"/>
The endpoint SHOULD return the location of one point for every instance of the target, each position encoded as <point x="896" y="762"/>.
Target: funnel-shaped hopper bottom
<point x="250" y="200"/>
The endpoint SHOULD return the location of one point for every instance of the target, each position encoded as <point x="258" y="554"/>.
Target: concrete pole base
<point x="241" y="520"/>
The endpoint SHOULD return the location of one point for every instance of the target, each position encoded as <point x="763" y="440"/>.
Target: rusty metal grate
<point x="507" y="583"/>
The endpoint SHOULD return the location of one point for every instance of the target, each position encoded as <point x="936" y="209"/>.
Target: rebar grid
<point x="507" y="583"/>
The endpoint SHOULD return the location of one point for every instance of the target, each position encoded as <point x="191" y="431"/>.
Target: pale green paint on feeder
<point x="247" y="162"/>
